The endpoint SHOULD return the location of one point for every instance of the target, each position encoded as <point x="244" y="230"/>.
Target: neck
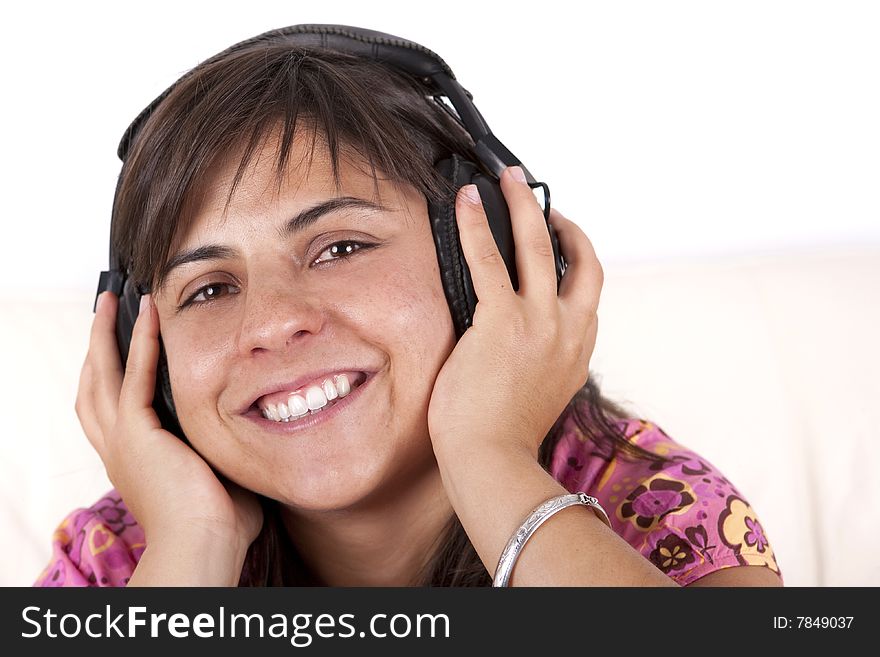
<point x="387" y="540"/>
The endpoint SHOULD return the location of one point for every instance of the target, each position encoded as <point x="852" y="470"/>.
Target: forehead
<point x="267" y="189"/>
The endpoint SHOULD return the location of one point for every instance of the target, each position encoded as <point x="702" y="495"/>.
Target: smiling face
<point x="271" y="306"/>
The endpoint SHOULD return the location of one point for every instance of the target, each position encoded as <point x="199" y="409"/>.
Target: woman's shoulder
<point x="98" y="545"/>
<point x="678" y="510"/>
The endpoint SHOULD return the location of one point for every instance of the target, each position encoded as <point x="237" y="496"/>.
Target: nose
<point x="276" y="316"/>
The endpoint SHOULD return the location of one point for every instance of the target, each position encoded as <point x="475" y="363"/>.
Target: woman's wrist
<point x="476" y="446"/>
<point x="491" y="508"/>
<point x="190" y="559"/>
<point x="574" y="548"/>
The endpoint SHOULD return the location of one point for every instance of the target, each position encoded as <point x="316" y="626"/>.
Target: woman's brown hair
<point x="359" y="108"/>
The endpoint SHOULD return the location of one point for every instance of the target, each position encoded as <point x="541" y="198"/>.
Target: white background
<point x="665" y="129"/>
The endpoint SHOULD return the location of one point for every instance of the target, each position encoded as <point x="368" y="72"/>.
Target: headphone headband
<point x="406" y="56"/>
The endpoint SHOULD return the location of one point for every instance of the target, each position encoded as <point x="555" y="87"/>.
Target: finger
<point x="104" y="362"/>
<point x="584" y="276"/>
<point x="138" y="386"/>
<point x="535" y="265"/>
<point x="488" y="271"/>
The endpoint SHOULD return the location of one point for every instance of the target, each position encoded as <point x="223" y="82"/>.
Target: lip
<point x="296" y="384"/>
<point x="309" y="421"/>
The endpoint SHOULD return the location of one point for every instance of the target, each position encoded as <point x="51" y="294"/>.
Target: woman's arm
<point x="190" y="560"/>
<point x="504" y="384"/>
<point x="494" y="490"/>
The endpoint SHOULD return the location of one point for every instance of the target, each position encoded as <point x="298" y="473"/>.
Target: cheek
<point x="195" y="367"/>
<point x="411" y="309"/>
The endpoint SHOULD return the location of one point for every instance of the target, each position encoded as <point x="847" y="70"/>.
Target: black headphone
<point x="437" y="78"/>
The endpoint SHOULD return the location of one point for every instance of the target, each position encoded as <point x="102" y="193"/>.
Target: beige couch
<point x="767" y="365"/>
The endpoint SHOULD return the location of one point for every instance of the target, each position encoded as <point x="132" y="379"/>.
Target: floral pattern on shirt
<point x="650" y="502"/>
<point x="741" y="531"/>
<point x="681" y="513"/>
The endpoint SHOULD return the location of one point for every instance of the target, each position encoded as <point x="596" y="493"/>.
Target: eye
<point x="213" y="291"/>
<point x="208" y="293"/>
<point x="343" y="250"/>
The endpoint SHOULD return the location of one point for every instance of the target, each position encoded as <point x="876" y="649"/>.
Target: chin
<point x="324" y="496"/>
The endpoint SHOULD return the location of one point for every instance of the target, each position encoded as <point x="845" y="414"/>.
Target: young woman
<point x="276" y="205"/>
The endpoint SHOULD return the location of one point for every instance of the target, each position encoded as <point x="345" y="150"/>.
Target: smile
<point x="313" y="417"/>
<point x="290" y="406"/>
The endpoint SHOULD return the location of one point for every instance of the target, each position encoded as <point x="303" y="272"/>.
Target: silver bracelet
<point x="531" y="524"/>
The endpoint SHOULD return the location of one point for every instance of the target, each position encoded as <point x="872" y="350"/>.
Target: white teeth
<point x="329" y="390"/>
<point x="297" y="406"/>
<point x="315" y="398"/>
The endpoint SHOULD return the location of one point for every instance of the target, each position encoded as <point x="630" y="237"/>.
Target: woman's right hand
<point x="172" y="492"/>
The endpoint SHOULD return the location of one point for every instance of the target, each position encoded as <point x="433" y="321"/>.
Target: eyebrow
<point x="295" y="224"/>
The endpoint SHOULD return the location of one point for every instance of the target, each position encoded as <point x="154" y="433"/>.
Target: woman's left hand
<point x="527" y="352"/>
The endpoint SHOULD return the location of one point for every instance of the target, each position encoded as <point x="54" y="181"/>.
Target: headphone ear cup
<point x="163" y="400"/>
<point x="454" y="272"/>
<point x="126" y="315"/>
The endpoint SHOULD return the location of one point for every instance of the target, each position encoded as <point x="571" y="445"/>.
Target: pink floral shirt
<point x="683" y="515"/>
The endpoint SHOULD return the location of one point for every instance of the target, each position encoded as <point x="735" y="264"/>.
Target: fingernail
<point x="471" y="193"/>
<point x="518" y="174"/>
<point x="100" y="301"/>
<point x="145" y="301"/>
